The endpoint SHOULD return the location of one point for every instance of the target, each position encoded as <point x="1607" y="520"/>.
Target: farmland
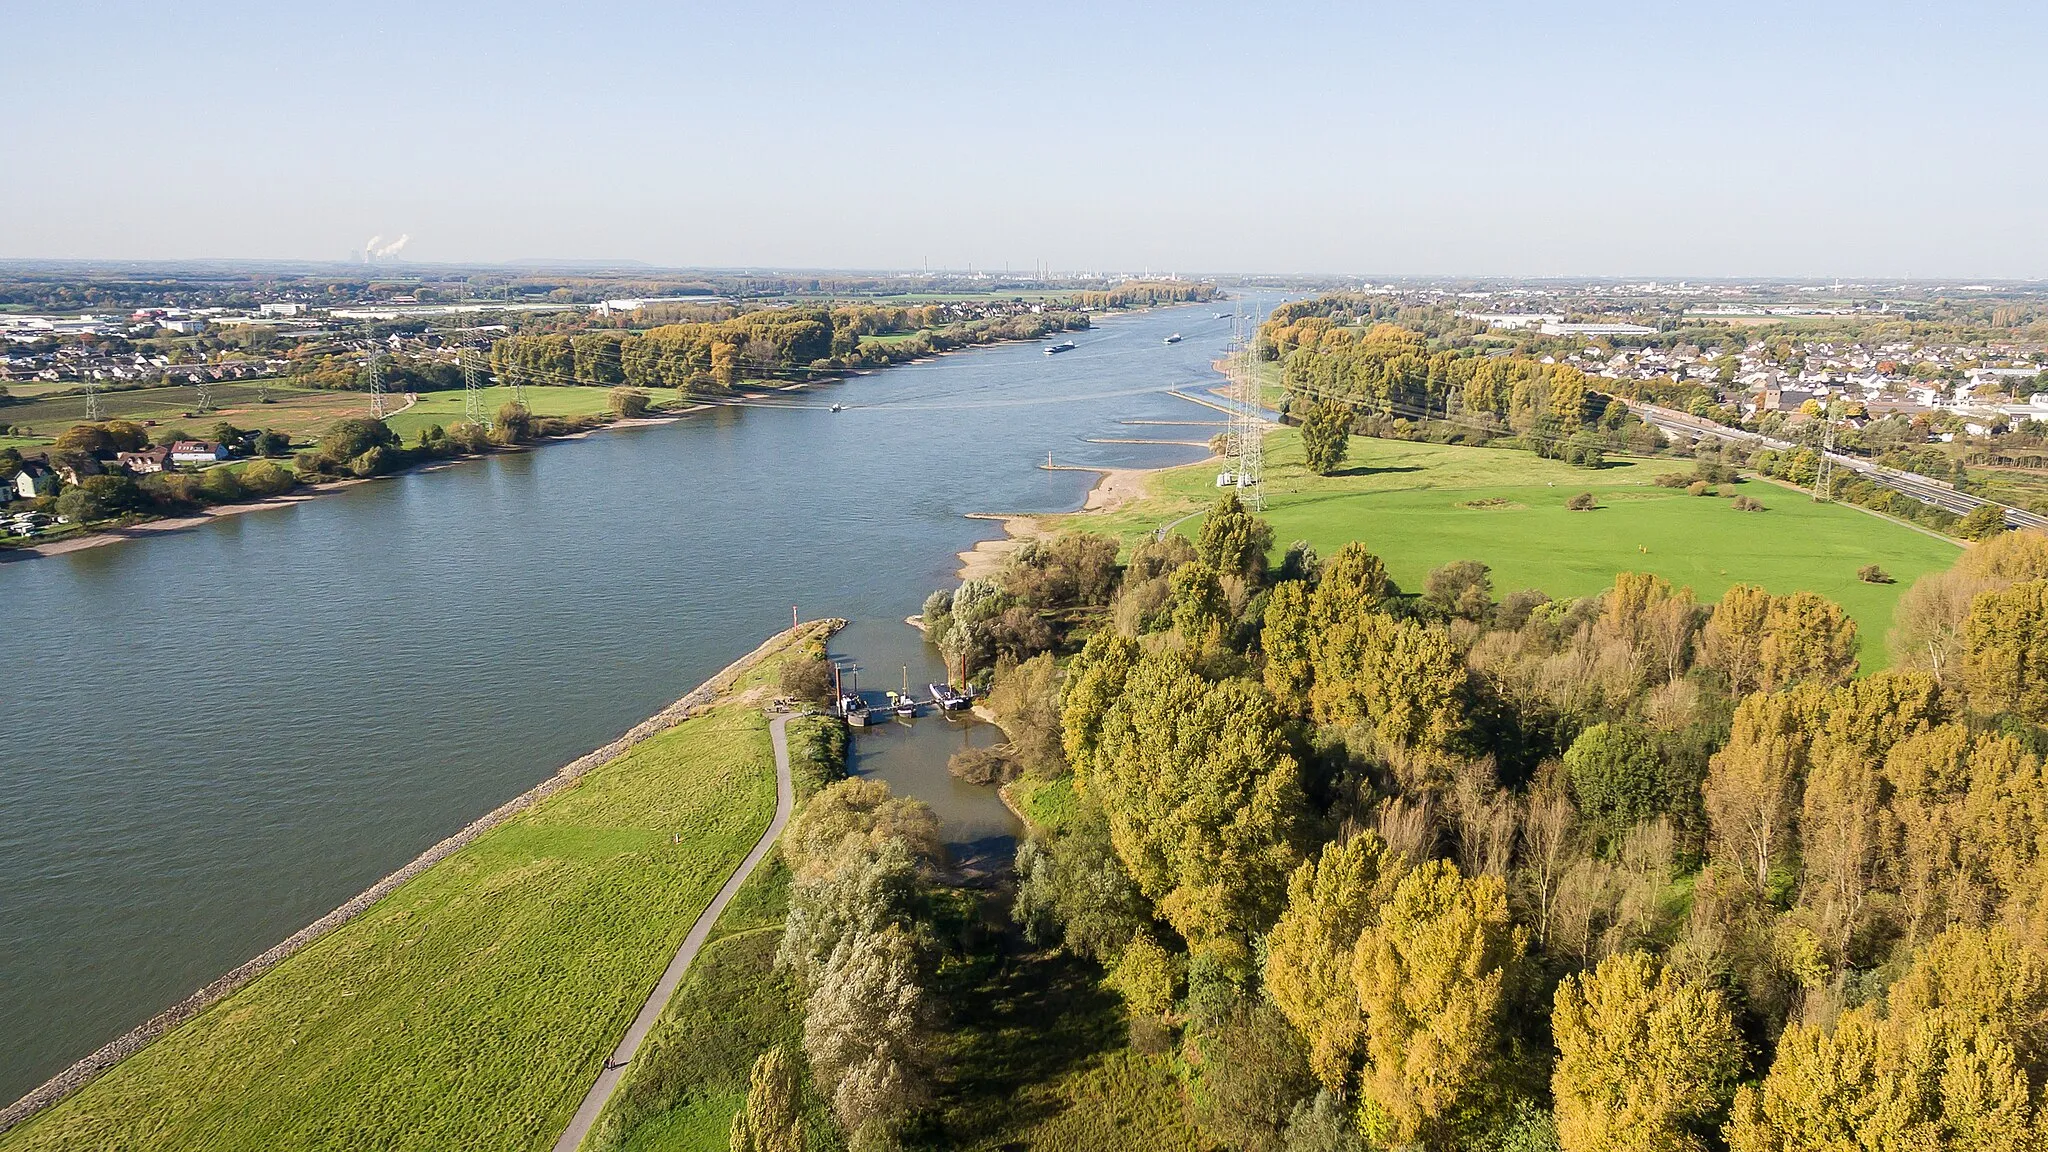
<point x="1420" y="505"/>
<point x="470" y="1007"/>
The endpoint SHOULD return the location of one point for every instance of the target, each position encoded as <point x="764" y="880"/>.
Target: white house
<point x="198" y="452"/>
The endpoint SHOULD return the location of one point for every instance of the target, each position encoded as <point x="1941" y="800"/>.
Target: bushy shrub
<point x="1583" y="502"/>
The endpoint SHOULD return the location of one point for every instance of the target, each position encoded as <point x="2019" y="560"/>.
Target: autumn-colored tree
<point x="1201" y="608"/>
<point x="1981" y="523"/>
<point x="1330" y="903"/>
<point x="1288" y="635"/>
<point x="1807" y="638"/>
<point x="1147" y="976"/>
<point x="1934" y="1081"/>
<point x="1354" y="582"/>
<point x="1431" y="977"/>
<point x="772" y="1118"/>
<point x="1733" y="641"/>
<point x="1326" y="436"/>
<point x="2005" y="651"/>
<point x="1093" y="684"/>
<point x="1988" y="977"/>
<point x="1752" y="788"/>
<point x="1235" y="540"/>
<point x="1399" y="678"/>
<point x="1931" y="861"/>
<point x="1204" y="803"/>
<point x="1843" y="834"/>
<point x="1644" y="1059"/>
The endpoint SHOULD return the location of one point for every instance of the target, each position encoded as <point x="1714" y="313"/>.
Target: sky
<point x="1434" y="137"/>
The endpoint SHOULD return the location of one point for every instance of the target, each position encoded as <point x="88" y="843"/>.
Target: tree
<point x="628" y="403"/>
<point x="1733" y="640"/>
<point x="1252" y="1075"/>
<point x="1583" y="502"/>
<point x="514" y="423"/>
<point x="1981" y="523"/>
<point x="1287" y="634"/>
<point x="1094" y="683"/>
<point x="84" y="440"/>
<point x="1146" y="976"/>
<point x="1644" y="1059"/>
<point x="1752" y="787"/>
<point x="1806" y="637"/>
<point x="1461" y="588"/>
<point x="352" y="436"/>
<point x="1936" y="1081"/>
<point x="867" y="1030"/>
<point x="1073" y="890"/>
<point x="772" y="1118"/>
<point x="1234" y="540"/>
<point x="1397" y="677"/>
<point x="1431" y="977"/>
<point x="1326" y="436"/>
<point x="1204" y="803"/>
<point x="1617" y="776"/>
<point x="2005" y="651"/>
<point x="1331" y="901"/>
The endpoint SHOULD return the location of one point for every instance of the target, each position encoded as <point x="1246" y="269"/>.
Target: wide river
<point x="209" y="738"/>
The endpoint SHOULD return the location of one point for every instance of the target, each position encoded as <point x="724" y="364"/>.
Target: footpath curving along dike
<point x="699" y="702"/>
<point x="615" y="1066"/>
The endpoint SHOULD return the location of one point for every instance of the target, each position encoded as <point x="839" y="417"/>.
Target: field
<point x="1422" y="505"/>
<point x="300" y="412"/>
<point x="450" y="408"/>
<point x="472" y="1007"/>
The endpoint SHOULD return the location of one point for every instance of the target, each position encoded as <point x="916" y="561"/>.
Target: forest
<point x="1444" y="869"/>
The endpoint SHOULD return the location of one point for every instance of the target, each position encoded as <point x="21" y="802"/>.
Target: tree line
<point x="1445" y="869"/>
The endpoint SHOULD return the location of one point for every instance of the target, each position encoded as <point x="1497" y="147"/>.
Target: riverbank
<point x="506" y="957"/>
<point x="1114" y="490"/>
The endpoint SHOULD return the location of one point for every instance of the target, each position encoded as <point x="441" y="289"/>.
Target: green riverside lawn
<point x="472" y="1007"/>
<point x="1421" y="505"/>
<point x="451" y="407"/>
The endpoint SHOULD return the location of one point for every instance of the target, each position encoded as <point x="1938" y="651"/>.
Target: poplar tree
<point x="1203" y="801"/>
<point x="1431" y="976"/>
<point x="1643" y="1058"/>
<point x="2005" y="651"/>
<point x="1331" y="901"/>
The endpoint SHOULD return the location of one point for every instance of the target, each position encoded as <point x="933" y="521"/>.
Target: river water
<point x="210" y="738"/>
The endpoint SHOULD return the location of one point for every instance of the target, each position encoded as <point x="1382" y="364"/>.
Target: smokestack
<point x="370" y="247"/>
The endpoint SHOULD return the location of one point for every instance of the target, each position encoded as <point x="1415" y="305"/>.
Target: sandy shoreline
<point x="1114" y="488"/>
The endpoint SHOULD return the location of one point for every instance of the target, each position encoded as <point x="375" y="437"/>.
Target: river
<point x="209" y="738"/>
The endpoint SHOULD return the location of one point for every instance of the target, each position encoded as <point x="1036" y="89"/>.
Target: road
<point x="1921" y="488"/>
<point x="622" y="1056"/>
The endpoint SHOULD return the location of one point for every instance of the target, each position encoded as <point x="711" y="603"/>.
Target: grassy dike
<point x="1418" y="506"/>
<point x="472" y="1004"/>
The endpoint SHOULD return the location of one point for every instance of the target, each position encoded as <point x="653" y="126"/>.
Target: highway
<point x="1927" y="490"/>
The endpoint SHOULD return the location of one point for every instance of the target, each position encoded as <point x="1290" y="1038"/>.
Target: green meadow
<point x="1419" y="506"/>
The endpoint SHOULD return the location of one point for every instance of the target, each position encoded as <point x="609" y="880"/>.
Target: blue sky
<point x="1644" y="139"/>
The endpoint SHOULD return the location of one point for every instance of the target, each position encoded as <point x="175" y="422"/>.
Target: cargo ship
<point x="1062" y="346"/>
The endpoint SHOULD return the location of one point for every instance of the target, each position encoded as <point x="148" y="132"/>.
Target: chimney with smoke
<point x="372" y="251"/>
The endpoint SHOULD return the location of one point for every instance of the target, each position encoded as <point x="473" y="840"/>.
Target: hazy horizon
<point x="1580" y="140"/>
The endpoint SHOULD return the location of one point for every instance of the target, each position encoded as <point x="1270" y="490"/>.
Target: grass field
<point x="300" y="412"/>
<point x="450" y="408"/>
<point x="472" y="1007"/>
<point x="1422" y="505"/>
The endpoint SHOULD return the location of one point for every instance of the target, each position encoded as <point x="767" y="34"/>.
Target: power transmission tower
<point x="93" y="411"/>
<point x="373" y="368"/>
<point x="205" y="384"/>
<point x="1824" y="471"/>
<point x="473" y="386"/>
<point x="1251" y="462"/>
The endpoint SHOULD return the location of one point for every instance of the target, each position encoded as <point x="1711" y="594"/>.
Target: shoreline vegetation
<point x="740" y="685"/>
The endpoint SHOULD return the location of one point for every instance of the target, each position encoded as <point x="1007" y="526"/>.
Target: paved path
<point x="657" y="1000"/>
